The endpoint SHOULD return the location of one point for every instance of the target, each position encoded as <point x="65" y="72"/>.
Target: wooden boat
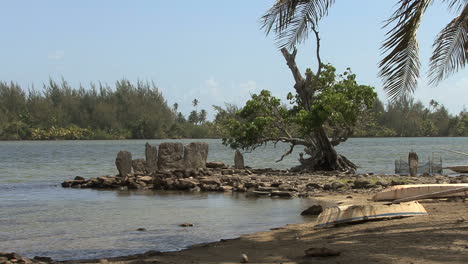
<point x="410" y="190"/>
<point x="459" y="168"/>
<point x="356" y="213"/>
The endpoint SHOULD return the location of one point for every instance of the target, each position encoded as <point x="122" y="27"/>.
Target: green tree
<point x="202" y="116"/>
<point x="292" y="20"/>
<point x="324" y="110"/>
<point x="193" y="117"/>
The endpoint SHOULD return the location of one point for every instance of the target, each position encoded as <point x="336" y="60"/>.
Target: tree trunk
<point x="323" y="156"/>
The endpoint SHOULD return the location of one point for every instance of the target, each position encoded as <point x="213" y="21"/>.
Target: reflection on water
<point x="40" y="218"/>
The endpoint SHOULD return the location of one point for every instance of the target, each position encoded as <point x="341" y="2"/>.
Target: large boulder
<point x="171" y="156"/>
<point x="195" y="155"/>
<point x="124" y="163"/>
<point x="151" y="154"/>
<point x="238" y="160"/>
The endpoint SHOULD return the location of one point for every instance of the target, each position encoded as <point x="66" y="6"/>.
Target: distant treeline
<point x="139" y="111"/>
<point x="129" y="111"/>
<point x="409" y="118"/>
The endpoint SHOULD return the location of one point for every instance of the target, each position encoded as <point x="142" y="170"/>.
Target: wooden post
<point x="413" y="162"/>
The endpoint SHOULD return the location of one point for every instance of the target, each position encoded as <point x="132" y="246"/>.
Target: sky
<point x="212" y="50"/>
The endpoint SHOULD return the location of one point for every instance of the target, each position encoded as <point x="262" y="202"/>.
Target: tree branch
<point x="317" y="51"/>
<point x="287" y="153"/>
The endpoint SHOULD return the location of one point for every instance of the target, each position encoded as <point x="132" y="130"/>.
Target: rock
<point x="210" y="181"/>
<point x="238" y="160"/>
<point x="361" y="184"/>
<point x="43" y="259"/>
<point x="12" y="255"/>
<point x="145" y="179"/>
<point x="141" y="229"/>
<point x="184" y="184"/>
<point x="284" y="194"/>
<point x="124" y="163"/>
<point x="3" y="259"/>
<point x="171" y="156"/>
<point x="244" y="259"/>
<point x="321" y="252"/>
<point x="151" y="155"/>
<point x="314" y="186"/>
<point x="215" y="164"/>
<point x="139" y="166"/>
<point x="337" y="185"/>
<point x="186" y="225"/>
<point x="258" y="193"/>
<point x="24" y="260"/>
<point x="413" y="162"/>
<point x="79" y="178"/>
<point x="195" y="155"/>
<point x="313" y="210"/>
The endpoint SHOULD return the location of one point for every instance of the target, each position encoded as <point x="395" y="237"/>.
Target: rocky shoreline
<point x="185" y="168"/>
<point x="259" y="182"/>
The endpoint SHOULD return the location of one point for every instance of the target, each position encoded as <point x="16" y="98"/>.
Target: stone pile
<point x="217" y="177"/>
<point x="12" y="258"/>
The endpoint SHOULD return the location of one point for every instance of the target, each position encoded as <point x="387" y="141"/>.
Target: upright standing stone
<point x="413" y="162"/>
<point x="139" y="166"/>
<point x="151" y="154"/>
<point x="195" y="155"/>
<point x="238" y="160"/>
<point x="124" y="163"/>
<point x="171" y="156"/>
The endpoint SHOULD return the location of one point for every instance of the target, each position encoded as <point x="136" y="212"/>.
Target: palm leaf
<point x="400" y="66"/>
<point x="292" y="19"/>
<point x="450" y="49"/>
<point x="456" y="5"/>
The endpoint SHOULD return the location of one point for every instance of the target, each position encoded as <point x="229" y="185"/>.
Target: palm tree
<point x="195" y="102"/>
<point x="293" y="20"/>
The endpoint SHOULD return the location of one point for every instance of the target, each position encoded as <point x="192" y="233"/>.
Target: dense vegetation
<point x="140" y="111"/>
<point x="59" y="111"/>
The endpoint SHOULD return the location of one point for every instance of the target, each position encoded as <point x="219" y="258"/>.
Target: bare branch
<point x="287" y="153"/>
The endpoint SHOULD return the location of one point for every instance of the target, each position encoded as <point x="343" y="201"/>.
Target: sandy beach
<point x="440" y="237"/>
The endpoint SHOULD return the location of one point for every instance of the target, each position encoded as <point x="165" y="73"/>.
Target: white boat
<point x="411" y="190"/>
<point x="356" y="213"/>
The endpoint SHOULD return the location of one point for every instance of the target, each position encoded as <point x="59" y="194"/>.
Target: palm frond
<point x="400" y="66"/>
<point x="456" y="5"/>
<point x="450" y="49"/>
<point x="292" y="19"/>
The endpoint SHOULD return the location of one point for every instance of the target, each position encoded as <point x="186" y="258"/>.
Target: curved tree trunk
<point x="322" y="154"/>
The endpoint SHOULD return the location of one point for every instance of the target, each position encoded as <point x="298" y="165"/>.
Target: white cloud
<point x="56" y="55"/>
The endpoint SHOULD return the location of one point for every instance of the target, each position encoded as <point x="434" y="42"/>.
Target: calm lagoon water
<point x="38" y="217"/>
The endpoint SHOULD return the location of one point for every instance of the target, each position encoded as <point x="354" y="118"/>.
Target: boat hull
<point x="459" y="169"/>
<point x="355" y="213"/>
<point x="410" y="190"/>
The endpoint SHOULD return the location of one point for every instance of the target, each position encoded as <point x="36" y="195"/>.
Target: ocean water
<point x="38" y="217"/>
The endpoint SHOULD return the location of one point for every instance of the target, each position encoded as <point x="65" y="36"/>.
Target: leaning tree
<point x="324" y="109"/>
<point x="322" y="112"/>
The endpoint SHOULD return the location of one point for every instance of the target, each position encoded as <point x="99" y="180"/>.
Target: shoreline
<point x="440" y="237"/>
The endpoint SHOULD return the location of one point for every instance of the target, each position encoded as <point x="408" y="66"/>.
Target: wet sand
<point x="440" y="237"/>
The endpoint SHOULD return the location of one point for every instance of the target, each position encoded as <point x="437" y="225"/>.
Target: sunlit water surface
<point x="37" y="217"/>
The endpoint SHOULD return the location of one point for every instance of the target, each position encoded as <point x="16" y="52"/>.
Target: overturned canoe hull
<point x="356" y="213"/>
<point x="459" y="169"/>
<point x="410" y="190"/>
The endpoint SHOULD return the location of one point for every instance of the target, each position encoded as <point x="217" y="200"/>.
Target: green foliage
<point x="337" y="103"/>
<point x="62" y="112"/>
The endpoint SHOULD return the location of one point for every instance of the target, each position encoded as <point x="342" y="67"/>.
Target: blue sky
<point x="211" y="50"/>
